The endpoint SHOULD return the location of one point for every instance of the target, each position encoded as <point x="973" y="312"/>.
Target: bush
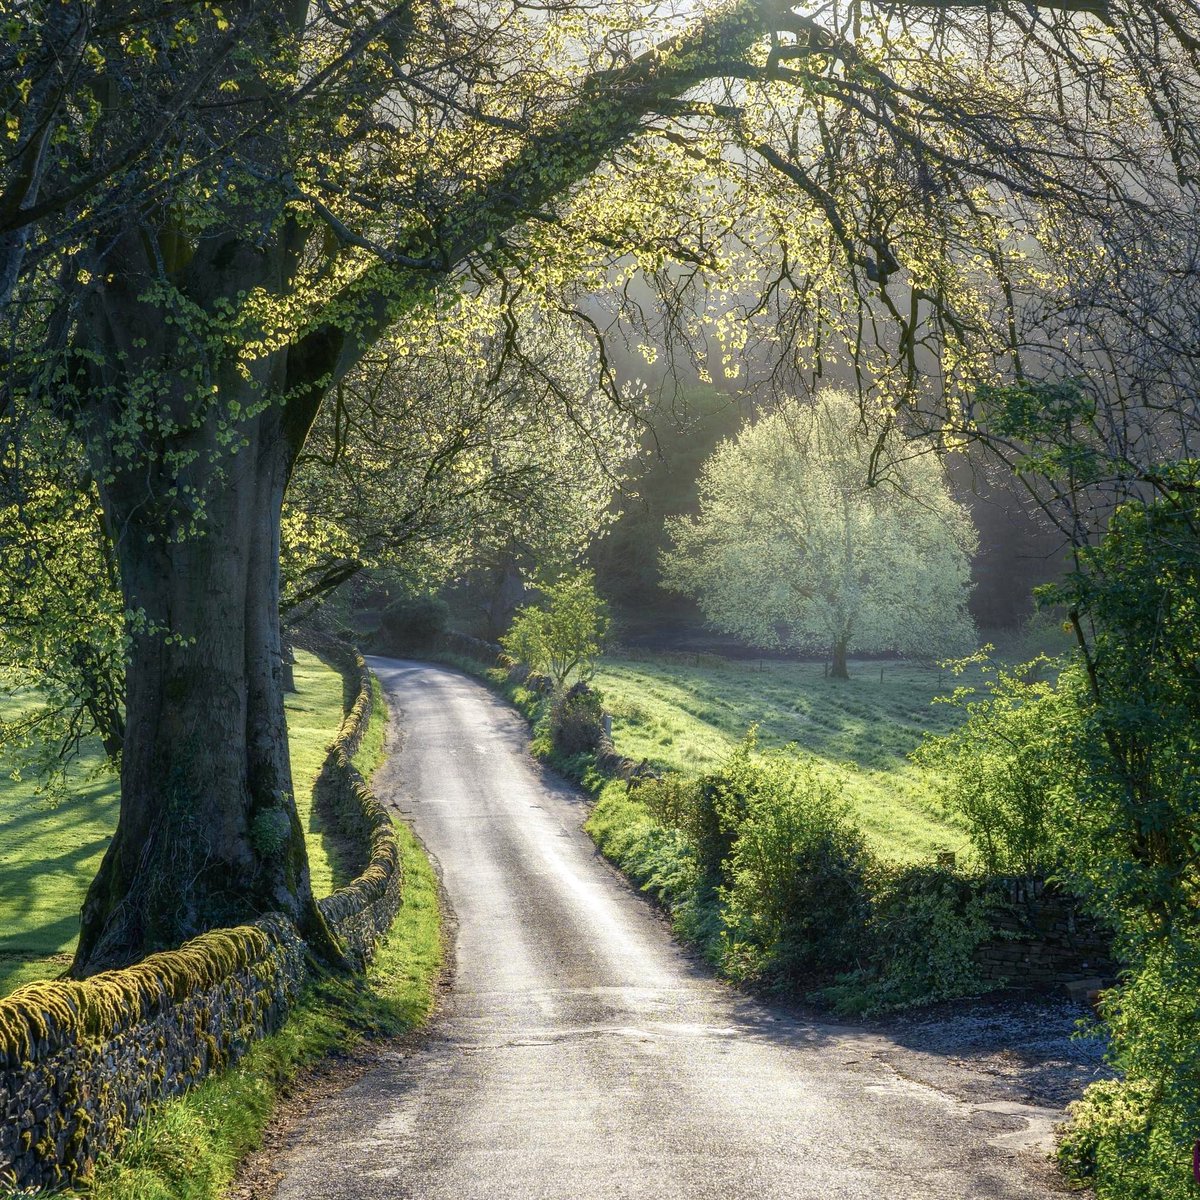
<point x="762" y="868"/>
<point x="774" y="850"/>
<point x="1131" y="1138"/>
<point x="576" y="721"/>
<point x="707" y="810"/>
<point x="1135" y="834"/>
<point x="926" y="924"/>
<point x="1006" y="769"/>
<point x="797" y="899"/>
<point x="670" y="799"/>
<point x="411" y="623"/>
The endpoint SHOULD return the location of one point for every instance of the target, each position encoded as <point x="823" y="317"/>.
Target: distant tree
<point x="792" y="548"/>
<point x="563" y="637"/>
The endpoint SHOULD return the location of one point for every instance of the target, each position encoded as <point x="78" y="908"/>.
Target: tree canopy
<point x="793" y="548"/>
<point x="210" y="215"/>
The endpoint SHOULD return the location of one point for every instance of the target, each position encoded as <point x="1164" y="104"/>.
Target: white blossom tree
<point x="792" y="547"/>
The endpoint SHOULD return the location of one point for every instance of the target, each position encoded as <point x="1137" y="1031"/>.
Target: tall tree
<point x="348" y="170"/>
<point x="792" y="548"/>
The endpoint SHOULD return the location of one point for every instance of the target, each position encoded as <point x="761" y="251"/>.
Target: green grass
<point x="48" y="855"/>
<point x="314" y="714"/>
<point x="190" y="1147"/>
<point x="687" y="717"/>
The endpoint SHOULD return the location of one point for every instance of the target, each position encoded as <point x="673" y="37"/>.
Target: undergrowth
<point x="762" y="867"/>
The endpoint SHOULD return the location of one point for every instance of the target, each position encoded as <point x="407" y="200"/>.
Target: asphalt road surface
<point x="581" y="1055"/>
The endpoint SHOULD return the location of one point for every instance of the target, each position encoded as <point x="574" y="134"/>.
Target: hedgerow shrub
<point x="670" y="799"/>
<point x="1135" y="836"/>
<point x="576" y="721"/>
<point x="705" y="810"/>
<point x="1132" y="1138"/>
<point x="796" y="896"/>
<point x="926" y="924"/>
<point x="1004" y="770"/>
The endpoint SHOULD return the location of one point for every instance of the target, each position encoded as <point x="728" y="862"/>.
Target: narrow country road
<point x="580" y="1054"/>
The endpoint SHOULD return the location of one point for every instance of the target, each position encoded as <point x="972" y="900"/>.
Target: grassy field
<point x="49" y="855"/>
<point x="684" y="715"/>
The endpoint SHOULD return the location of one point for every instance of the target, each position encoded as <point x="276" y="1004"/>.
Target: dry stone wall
<point x="1043" y="939"/>
<point x="81" y="1062"/>
<point x="362" y="911"/>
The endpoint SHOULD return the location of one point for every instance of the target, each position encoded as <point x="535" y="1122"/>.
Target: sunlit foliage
<point x="793" y="548"/>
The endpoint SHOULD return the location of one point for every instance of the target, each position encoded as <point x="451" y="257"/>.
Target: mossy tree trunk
<point x="208" y="833"/>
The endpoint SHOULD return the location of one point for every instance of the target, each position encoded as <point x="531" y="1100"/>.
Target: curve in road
<point x="581" y="1055"/>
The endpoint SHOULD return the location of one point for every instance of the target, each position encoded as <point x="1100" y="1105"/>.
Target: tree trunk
<point x="289" y="666"/>
<point x="208" y="833"/>
<point x="838" y="669"/>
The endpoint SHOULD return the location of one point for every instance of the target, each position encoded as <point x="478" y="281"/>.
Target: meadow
<point x="49" y="853"/>
<point x="686" y="713"/>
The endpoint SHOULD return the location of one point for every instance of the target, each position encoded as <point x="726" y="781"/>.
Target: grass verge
<point x="190" y="1147"/>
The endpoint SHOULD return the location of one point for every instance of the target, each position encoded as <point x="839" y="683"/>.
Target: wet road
<point x="580" y="1055"/>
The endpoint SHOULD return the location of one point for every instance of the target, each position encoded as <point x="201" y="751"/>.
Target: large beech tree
<point x="286" y="183"/>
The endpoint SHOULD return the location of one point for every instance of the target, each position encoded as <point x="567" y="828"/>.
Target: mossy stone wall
<point x="362" y="911"/>
<point x="1043" y="938"/>
<point x="81" y="1062"/>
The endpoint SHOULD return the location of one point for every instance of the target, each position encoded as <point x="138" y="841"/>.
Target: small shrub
<point x="671" y="799"/>
<point x="1006" y="769"/>
<point x="576" y="721"/>
<point x="926" y="924"/>
<point x="411" y="623"/>
<point x="707" y="810"/>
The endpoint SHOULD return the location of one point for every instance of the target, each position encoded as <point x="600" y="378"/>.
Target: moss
<point x="74" y="1010"/>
